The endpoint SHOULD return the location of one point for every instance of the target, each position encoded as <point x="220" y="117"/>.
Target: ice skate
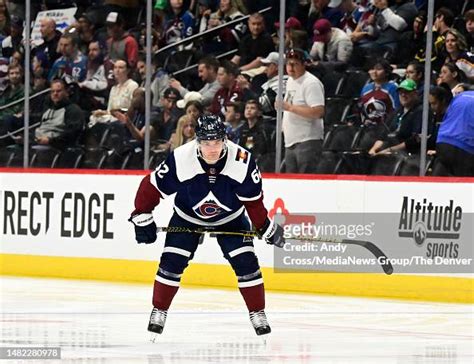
<point x="259" y="322"/>
<point x="157" y="323"/>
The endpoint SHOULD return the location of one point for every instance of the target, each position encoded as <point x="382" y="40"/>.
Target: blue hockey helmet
<point x="210" y="127"/>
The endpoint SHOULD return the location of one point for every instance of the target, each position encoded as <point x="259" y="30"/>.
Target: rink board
<point x="74" y="225"/>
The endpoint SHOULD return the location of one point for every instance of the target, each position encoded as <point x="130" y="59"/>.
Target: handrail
<point x="196" y="64"/>
<point x="20" y="130"/>
<point x="4" y="107"/>
<point x="199" y="35"/>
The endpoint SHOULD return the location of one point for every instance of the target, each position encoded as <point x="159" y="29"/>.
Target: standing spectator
<point x="62" y="122"/>
<point x="379" y="97"/>
<point x="254" y="135"/>
<point x="332" y="47"/>
<point x="234" y="121"/>
<point x="456" y="48"/>
<point x="255" y="45"/>
<point x="13" y="42"/>
<point x="229" y="91"/>
<point x="179" y="22"/>
<point x="405" y="124"/>
<point x="72" y="64"/>
<point x="96" y="81"/>
<point x="303" y="108"/>
<point x="120" y="44"/>
<point x="469" y="18"/>
<point x="270" y="88"/>
<point x="51" y="37"/>
<point x="120" y="97"/>
<point x="207" y="72"/>
<point x="455" y="143"/>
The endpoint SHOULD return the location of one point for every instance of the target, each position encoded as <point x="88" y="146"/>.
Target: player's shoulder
<point x="184" y="160"/>
<point x="238" y="162"/>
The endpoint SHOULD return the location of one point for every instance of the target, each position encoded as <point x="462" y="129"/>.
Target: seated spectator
<point x="120" y="97"/>
<point x="352" y="15"/>
<point x="62" y="122"/>
<point x="451" y="75"/>
<point x="254" y="46"/>
<point x="14" y="91"/>
<point x="86" y="32"/>
<point x="120" y="44"/>
<point x="326" y="9"/>
<point x="49" y="47"/>
<point x="332" y="47"/>
<point x="179" y="22"/>
<point x="270" y="88"/>
<point x="254" y="135"/>
<point x="234" y="121"/>
<point x="405" y="124"/>
<point x="456" y="49"/>
<point x="439" y="99"/>
<point x="469" y="18"/>
<point x="229" y="91"/>
<point x="414" y="43"/>
<point x="95" y="84"/>
<point x="4" y="20"/>
<point x="207" y="72"/>
<point x="365" y="30"/>
<point x="379" y="97"/>
<point x="13" y="42"/>
<point x="159" y="79"/>
<point x="194" y="109"/>
<point x="455" y="143"/>
<point x="168" y="115"/>
<point x="72" y="65"/>
<point x="184" y="132"/>
<point x="415" y="71"/>
<point x="4" y="63"/>
<point x="291" y="24"/>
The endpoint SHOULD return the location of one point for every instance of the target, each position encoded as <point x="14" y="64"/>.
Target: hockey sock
<point x="254" y="297"/>
<point x="163" y="294"/>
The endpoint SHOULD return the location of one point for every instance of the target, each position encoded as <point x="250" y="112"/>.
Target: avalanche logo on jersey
<point x="209" y="207"/>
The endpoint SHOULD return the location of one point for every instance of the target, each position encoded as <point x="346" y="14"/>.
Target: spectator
<point x="179" y="22"/>
<point x="72" y="65"/>
<point x="405" y="124"/>
<point x="193" y="110"/>
<point x="190" y="96"/>
<point x="380" y="96"/>
<point x="207" y="72"/>
<point x="234" y="121"/>
<point x="13" y="42"/>
<point x="120" y="44"/>
<point x="95" y="84"/>
<point x="255" y="45"/>
<point x="415" y="71"/>
<point x="327" y="9"/>
<point x="254" y="134"/>
<point x="451" y="75"/>
<point x="303" y="108"/>
<point x="352" y="15"/>
<point x="414" y="42"/>
<point x="332" y="47"/>
<point x="168" y="115"/>
<point x="14" y="91"/>
<point x="62" y="122"/>
<point x="120" y="97"/>
<point x="159" y="80"/>
<point x="469" y="18"/>
<point x="291" y="24"/>
<point x="444" y="19"/>
<point x="184" y="132"/>
<point x="4" y="20"/>
<point x="456" y="49"/>
<point x="86" y="32"/>
<point x="455" y="143"/>
<point x="229" y="91"/>
<point x="270" y="88"/>
<point x="4" y="63"/>
<point x="439" y="99"/>
<point x="51" y="37"/>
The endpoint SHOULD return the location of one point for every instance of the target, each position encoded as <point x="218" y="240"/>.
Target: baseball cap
<point x="190" y="96"/>
<point x="291" y="23"/>
<point x="321" y="27"/>
<point x="408" y="85"/>
<point x="171" y="92"/>
<point x="273" y="57"/>
<point x="114" y="18"/>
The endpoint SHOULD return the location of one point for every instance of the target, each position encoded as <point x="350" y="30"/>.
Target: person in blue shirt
<point x="72" y="65"/>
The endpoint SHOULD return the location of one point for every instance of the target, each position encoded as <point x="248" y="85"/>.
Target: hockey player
<point x="215" y="182"/>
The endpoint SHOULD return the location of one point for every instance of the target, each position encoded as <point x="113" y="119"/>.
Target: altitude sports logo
<point x="437" y="225"/>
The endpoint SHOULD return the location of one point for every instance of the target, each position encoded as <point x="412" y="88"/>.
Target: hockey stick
<point x="371" y="247"/>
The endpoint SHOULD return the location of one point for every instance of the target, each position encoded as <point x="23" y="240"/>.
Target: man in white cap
<point x="270" y="88"/>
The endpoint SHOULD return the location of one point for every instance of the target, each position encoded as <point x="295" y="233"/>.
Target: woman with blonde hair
<point x="456" y="47"/>
<point x="184" y="132"/>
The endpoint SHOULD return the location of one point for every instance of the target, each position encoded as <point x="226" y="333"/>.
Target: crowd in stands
<point x="353" y="83"/>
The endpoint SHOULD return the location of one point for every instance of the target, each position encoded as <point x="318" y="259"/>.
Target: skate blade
<point x="154" y="337"/>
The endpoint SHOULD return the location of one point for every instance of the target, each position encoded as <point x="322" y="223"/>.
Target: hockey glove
<point x="272" y="233"/>
<point x="145" y="228"/>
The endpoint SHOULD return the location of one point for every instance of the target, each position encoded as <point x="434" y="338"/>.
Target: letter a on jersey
<point x="209" y="207"/>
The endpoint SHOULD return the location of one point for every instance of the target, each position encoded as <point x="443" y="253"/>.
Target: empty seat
<point x="386" y="164"/>
<point x="5" y="155"/>
<point x="330" y="82"/>
<point x="96" y="135"/>
<point x="44" y="156"/>
<point x="70" y="158"/>
<point x="93" y="158"/>
<point x="351" y="84"/>
<point x="328" y="163"/>
<point x="134" y="159"/>
<point x="340" y="138"/>
<point x="336" y="110"/>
